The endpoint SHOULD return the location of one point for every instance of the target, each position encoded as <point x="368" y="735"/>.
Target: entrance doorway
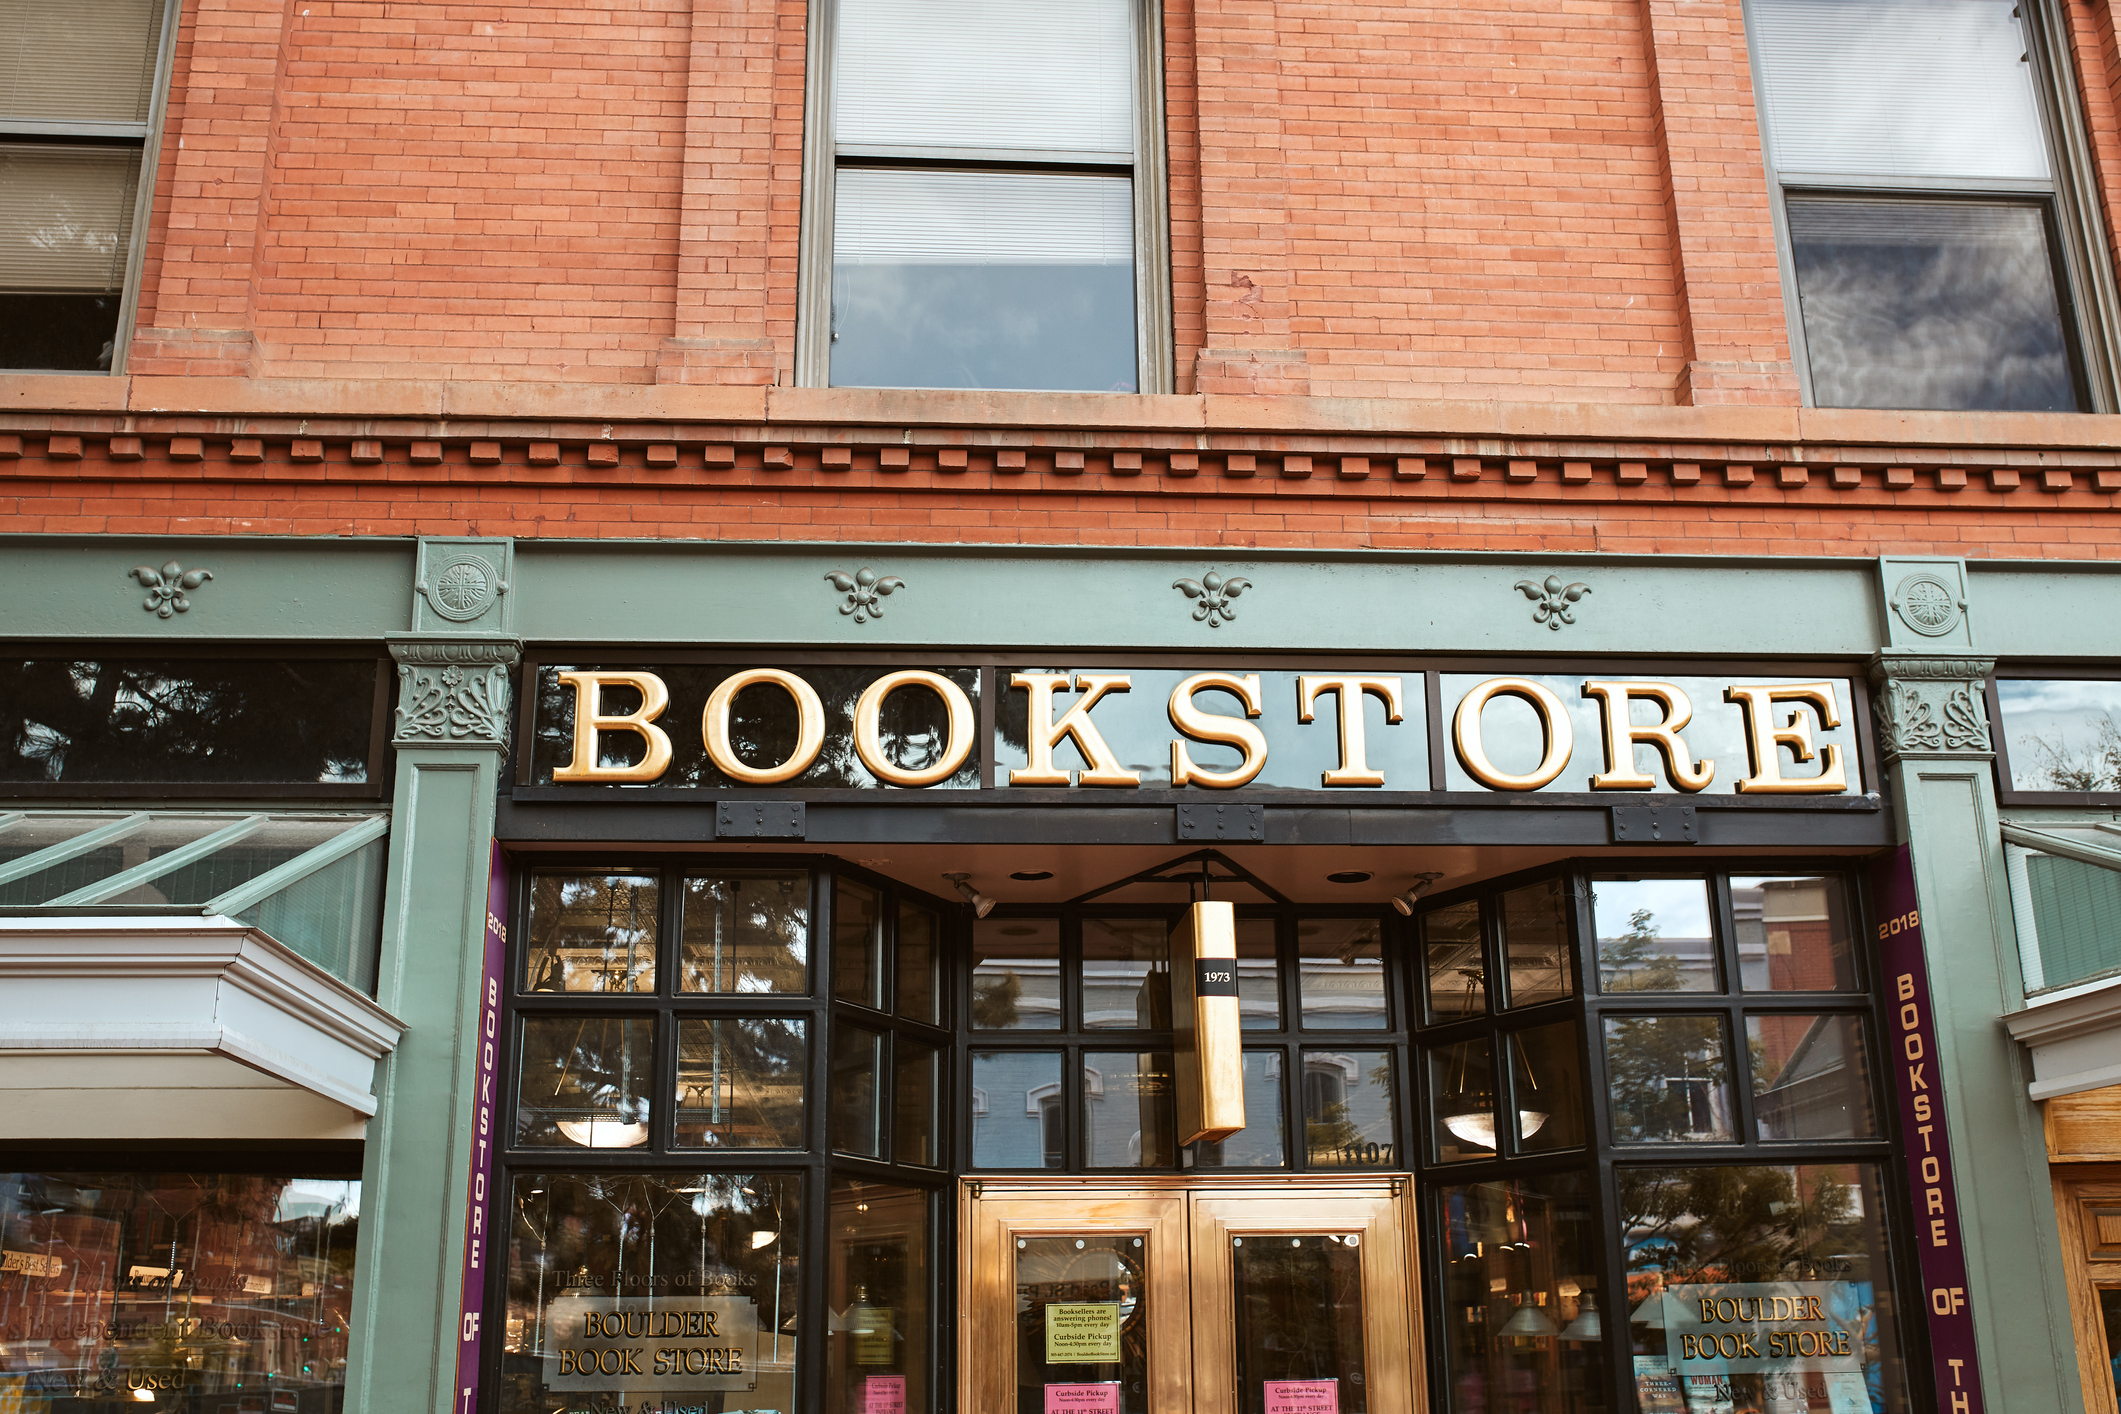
<point x="1188" y="1297"/>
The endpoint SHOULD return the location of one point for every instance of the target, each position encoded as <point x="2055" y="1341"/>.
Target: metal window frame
<point x="2084" y="279"/>
<point x="146" y="138"/>
<point x="1155" y="360"/>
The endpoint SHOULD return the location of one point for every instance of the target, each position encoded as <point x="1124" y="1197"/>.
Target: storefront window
<point x="1654" y="935"/>
<point x="879" y="1320"/>
<point x="746" y="931"/>
<point x="584" y="1080"/>
<point x="857" y="1115"/>
<point x="1538" y="960"/>
<point x="914" y="1118"/>
<point x="920" y="962"/>
<point x="857" y="944"/>
<point x="1455" y="968"/>
<point x="175" y="1291"/>
<point x="1126" y="974"/>
<point x="1462" y="1092"/>
<point x="1670" y="1079"/>
<point x="1523" y="1318"/>
<point x="740" y="1084"/>
<point x="1811" y="1076"/>
<point x="1342" y="973"/>
<point x="1793" y="934"/>
<point x="1016" y="974"/>
<point x="1546" y="1077"/>
<point x="1759" y="1287"/>
<point x="1259" y="1144"/>
<point x="1258" y="975"/>
<point x="592" y="932"/>
<point x="667" y="1288"/>
<point x="1348" y="1110"/>
<point x="1018" y="1119"/>
<point x="1127" y="1120"/>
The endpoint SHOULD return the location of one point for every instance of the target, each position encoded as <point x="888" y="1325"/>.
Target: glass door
<point x="1191" y="1298"/>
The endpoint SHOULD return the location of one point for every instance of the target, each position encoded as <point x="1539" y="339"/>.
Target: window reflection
<point x="913" y="1099"/>
<point x="878" y="1320"/>
<point x="746" y="932"/>
<point x="1127" y="1118"/>
<point x="740" y="1084"/>
<point x="1451" y="953"/>
<point x="919" y="964"/>
<point x="1016" y="974"/>
<point x="1258" y="976"/>
<point x="1546" y="1074"/>
<point x="857" y="943"/>
<point x="712" y="1256"/>
<point x="1811" y="1076"/>
<point x="1523" y="1315"/>
<point x="857" y="1119"/>
<point x="1341" y="974"/>
<point x="1538" y="963"/>
<point x="1804" y="1243"/>
<point x="1654" y="935"/>
<point x="584" y="1081"/>
<point x="1670" y="1079"/>
<point x="592" y="932"/>
<point x="174" y="1290"/>
<point x="1259" y="1144"/>
<point x="1017" y="1118"/>
<point x="1126" y="974"/>
<point x="1299" y="1326"/>
<point x="1348" y="1117"/>
<point x="1462" y="1091"/>
<point x="1793" y="935"/>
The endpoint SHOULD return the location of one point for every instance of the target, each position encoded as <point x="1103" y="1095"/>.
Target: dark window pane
<point x="740" y="1084"/>
<point x="592" y="932"/>
<point x="583" y="1080"/>
<point x="2110" y="1317"/>
<point x="1348" y="1120"/>
<point x="857" y="1118"/>
<point x="1016" y="974"/>
<point x="1258" y="976"/>
<point x="1127" y="1118"/>
<point x="1930" y="304"/>
<point x="881" y="1325"/>
<point x="1794" y="935"/>
<point x="1462" y="1089"/>
<point x="1342" y="974"/>
<point x="1259" y="1144"/>
<point x="1522" y="1308"/>
<point x="1654" y="935"/>
<point x="1092" y="1292"/>
<point x="913" y="1099"/>
<point x="1670" y="1079"/>
<point x="1546" y="1071"/>
<point x="1749" y="1244"/>
<point x="1298" y="1304"/>
<point x="920" y="957"/>
<point x="624" y="1245"/>
<point x="210" y="1285"/>
<point x="857" y="943"/>
<point x="1538" y="964"/>
<point x="66" y="222"/>
<point x="1811" y="1076"/>
<point x="746" y="931"/>
<point x="253" y="721"/>
<point x="1456" y="973"/>
<point x="1126" y="974"/>
<point x="983" y="280"/>
<point x="1018" y="1120"/>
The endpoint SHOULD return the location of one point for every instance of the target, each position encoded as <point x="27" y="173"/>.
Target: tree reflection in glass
<point x="1653" y="935"/>
<point x="585" y="1081"/>
<point x="592" y="932"/>
<point x="740" y="1084"/>
<point x="746" y="931"/>
<point x="1670" y="1079"/>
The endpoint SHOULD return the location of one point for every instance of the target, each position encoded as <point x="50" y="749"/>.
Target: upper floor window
<point x="986" y="189"/>
<point x="78" y="89"/>
<point x="1933" y="254"/>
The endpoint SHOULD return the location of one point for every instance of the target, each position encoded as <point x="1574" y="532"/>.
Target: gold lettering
<point x="1354" y="768"/>
<point x="1764" y="739"/>
<point x="707" y="1318"/>
<point x="1622" y="733"/>
<point x="1559" y="737"/>
<point x="1042" y="733"/>
<point x="590" y="719"/>
<point x="868" y="730"/>
<point x="1213" y="726"/>
<point x="809" y="727"/>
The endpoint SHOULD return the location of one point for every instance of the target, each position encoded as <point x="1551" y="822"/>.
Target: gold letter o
<point x="1560" y="737"/>
<point x="809" y="727"/>
<point x="868" y="743"/>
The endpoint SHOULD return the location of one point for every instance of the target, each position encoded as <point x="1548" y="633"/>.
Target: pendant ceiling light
<point x="1529" y="1320"/>
<point x="1586" y="1326"/>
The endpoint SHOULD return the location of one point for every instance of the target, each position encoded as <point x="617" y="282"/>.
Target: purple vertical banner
<point x="1918" y="1085"/>
<point x="478" y="1205"/>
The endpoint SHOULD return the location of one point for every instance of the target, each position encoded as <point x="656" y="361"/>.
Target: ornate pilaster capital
<point x="453" y="691"/>
<point x="1931" y="706"/>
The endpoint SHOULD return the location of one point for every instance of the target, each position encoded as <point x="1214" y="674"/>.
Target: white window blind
<point x="79" y="60"/>
<point x="895" y="217"/>
<point x="1021" y="75"/>
<point x="66" y="217"/>
<point x="1899" y="88"/>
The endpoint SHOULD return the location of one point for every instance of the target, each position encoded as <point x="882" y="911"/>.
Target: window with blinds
<point x="1920" y="200"/>
<point x="77" y="89"/>
<point x="983" y="195"/>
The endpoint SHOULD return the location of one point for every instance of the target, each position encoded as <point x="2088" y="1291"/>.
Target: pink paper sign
<point x="1302" y="1396"/>
<point x="1083" y="1399"/>
<point x="884" y="1394"/>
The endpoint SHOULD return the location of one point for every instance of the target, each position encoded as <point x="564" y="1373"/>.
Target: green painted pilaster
<point x="451" y="736"/>
<point x="1938" y="758"/>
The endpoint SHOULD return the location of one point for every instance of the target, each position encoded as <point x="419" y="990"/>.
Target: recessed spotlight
<point x="1032" y="876"/>
<point x="1349" y="876"/>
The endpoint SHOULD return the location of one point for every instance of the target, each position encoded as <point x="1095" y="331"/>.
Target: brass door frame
<point x="1187" y="1224"/>
<point x="2089" y="1265"/>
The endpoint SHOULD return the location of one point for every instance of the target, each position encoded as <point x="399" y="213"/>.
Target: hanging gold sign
<point x="1208" y="1059"/>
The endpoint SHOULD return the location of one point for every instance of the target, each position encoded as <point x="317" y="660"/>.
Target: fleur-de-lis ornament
<point x="166" y="587"/>
<point x="1552" y="600"/>
<point x="1212" y="594"/>
<point x="863" y="589"/>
